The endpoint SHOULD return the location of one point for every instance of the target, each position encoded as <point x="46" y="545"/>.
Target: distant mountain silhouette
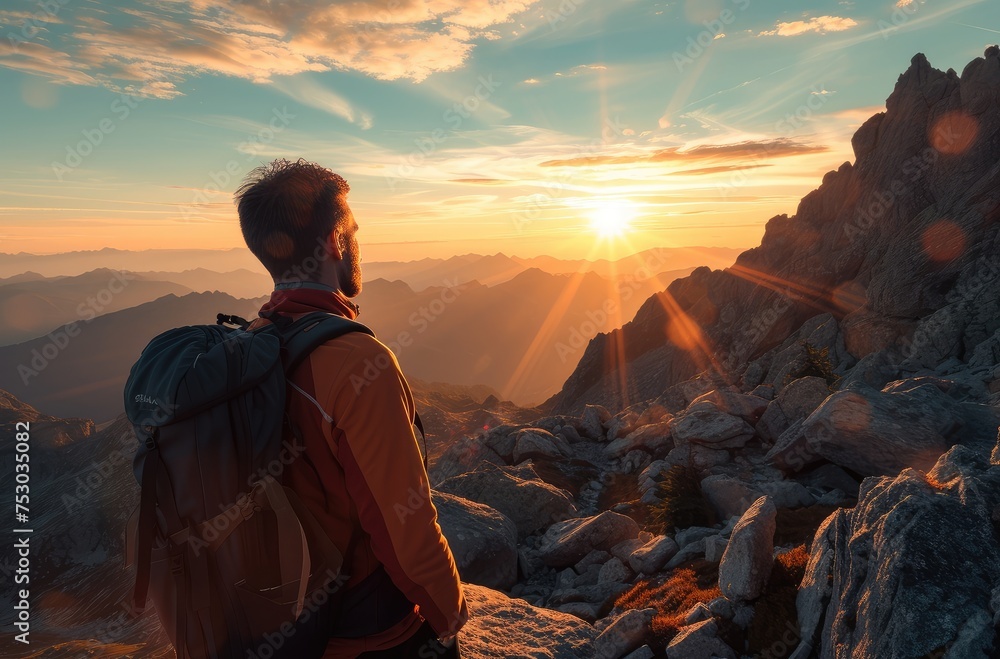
<point x="74" y="263"/>
<point x="86" y="377"/>
<point x="240" y="283"/>
<point x="521" y="337"/>
<point x="34" y="305"/>
<point x="222" y="267"/>
<point x="499" y="268"/>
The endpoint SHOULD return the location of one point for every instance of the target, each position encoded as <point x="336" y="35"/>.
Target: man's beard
<point x="351" y="286"/>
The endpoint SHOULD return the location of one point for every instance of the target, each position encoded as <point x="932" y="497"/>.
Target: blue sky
<point x="570" y="127"/>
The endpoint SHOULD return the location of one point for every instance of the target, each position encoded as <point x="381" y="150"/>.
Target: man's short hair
<point x="288" y="210"/>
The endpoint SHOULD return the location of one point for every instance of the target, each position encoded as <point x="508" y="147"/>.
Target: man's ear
<point x="334" y="247"/>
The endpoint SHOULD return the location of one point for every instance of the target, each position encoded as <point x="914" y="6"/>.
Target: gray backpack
<point x="235" y="564"/>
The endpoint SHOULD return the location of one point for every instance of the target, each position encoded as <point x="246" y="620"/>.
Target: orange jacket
<point x="363" y="474"/>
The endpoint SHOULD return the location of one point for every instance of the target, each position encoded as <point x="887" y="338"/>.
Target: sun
<point x="612" y="218"/>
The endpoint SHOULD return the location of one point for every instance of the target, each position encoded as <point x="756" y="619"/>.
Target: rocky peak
<point x="908" y="231"/>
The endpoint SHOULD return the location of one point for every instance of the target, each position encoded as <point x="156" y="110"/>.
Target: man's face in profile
<point x="349" y="271"/>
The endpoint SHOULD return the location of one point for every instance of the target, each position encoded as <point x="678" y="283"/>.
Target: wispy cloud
<point x="154" y="46"/>
<point x="820" y="24"/>
<point x="309" y="92"/>
<point x="750" y="150"/>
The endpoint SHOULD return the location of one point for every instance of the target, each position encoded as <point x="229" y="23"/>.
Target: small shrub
<point x="682" y="504"/>
<point x="674" y="597"/>
<point x="817" y="364"/>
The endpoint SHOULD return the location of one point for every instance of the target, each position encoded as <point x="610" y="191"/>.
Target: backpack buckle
<point x="177" y="564"/>
<point x="248" y="507"/>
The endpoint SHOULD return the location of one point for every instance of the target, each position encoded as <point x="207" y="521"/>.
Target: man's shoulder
<point x="354" y="348"/>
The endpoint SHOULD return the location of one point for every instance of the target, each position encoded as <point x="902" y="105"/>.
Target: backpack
<point x="235" y="564"/>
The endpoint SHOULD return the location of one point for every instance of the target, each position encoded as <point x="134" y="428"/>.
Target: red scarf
<point x="305" y="300"/>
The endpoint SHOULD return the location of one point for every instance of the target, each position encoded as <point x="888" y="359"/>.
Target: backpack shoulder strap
<point x="313" y="330"/>
<point x="306" y="334"/>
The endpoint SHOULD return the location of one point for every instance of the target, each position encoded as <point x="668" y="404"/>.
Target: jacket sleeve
<point x="373" y="409"/>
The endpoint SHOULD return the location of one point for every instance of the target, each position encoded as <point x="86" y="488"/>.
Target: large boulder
<point x="652" y="556"/>
<point x="536" y="443"/>
<point x="730" y="496"/>
<point x="653" y="438"/>
<point x="501" y="627"/>
<point x="910" y="570"/>
<point x="881" y="433"/>
<point x="483" y="541"/>
<point x="517" y="492"/>
<point x="704" y="423"/>
<point x="746" y="406"/>
<point x="566" y="543"/>
<point x="747" y="561"/>
<point x="795" y="402"/>
<point x="593" y="422"/>
<point x="463" y="456"/>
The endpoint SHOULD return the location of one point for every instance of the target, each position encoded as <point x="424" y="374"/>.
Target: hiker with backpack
<point x="285" y="505"/>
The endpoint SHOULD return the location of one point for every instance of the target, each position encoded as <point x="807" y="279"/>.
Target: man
<point x="361" y="473"/>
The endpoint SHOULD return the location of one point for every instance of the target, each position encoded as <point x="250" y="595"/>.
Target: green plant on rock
<point x="817" y="364"/>
<point x="681" y="504"/>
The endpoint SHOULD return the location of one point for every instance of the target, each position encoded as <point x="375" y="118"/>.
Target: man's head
<point x="295" y="219"/>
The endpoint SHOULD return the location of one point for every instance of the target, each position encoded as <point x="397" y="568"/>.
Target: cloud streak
<point x="820" y="24"/>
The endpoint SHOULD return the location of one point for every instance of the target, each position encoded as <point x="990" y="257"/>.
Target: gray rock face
<point x="501" y="627"/>
<point x="795" y="402"/>
<point x="747" y="561"/>
<point x="530" y="503"/>
<point x="566" y="543"/>
<point x="704" y="423"/>
<point x="629" y="632"/>
<point x="536" y="443"/>
<point x="880" y="433"/>
<point x="912" y="565"/>
<point x="483" y="541"/>
<point x="699" y="640"/>
<point x="463" y="456"/>
<point x="746" y="406"/>
<point x="654" y="439"/>
<point x="731" y="496"/>
<point x="652" y="556"/>
<point x="593" y="420"/>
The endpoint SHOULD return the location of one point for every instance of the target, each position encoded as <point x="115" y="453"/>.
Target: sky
<point x="574" y="128"/>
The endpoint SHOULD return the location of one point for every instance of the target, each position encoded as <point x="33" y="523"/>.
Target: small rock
<point x="697" y="641"/>
<point x="652" y="556"/>
<point x="626" y="634"/>
<point x="715" y="547"/>
<point x="614" y="571"/>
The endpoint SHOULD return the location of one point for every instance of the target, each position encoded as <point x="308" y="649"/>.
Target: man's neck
<point x="298" y="283"/>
